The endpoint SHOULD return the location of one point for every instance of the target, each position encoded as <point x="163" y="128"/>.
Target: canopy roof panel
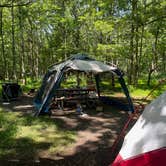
<point x="84" y="63"/>
<point x="91" y="66"/>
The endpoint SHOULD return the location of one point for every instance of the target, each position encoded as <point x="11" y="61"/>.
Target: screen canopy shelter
<point x="81" y="63"/>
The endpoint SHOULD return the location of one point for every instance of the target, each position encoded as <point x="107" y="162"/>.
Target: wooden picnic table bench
<point x="74" y="95"/>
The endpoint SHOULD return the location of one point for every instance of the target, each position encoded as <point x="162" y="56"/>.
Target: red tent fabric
<point x="145" y="144"/>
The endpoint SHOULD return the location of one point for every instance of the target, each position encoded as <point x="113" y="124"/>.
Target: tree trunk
<point x="155" y="51"/>
<point x="77" y="27"/>
<point x="31" y="52"/>
<point x="13" y="45"/>
<point x="151" y="70"/>
<point x="136" y="63"/>
<point x="4" y="62"/>
<point x="149" y="76"/>
<point x="164" y="61"/>
<point x="141" y="44"/>
<point x="133" y="45"/>
<point x="131" y="68"/>
<point x="36" y="61"/>
<point x="22" y="51"/>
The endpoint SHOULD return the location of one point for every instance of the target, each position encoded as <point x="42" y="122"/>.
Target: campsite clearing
<point x="64" y="138"/>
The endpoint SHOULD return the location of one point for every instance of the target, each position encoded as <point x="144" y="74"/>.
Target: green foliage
<point x="131" y="35"/>
<point x="31" y="84"/>
<point x="70" y="81"/>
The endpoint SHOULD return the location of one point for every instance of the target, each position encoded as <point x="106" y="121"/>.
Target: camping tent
<point x="80" y="63"/>
<point x="145" y="144"/>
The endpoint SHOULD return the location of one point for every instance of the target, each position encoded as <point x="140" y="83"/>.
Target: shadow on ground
<point x="96" y="133"/>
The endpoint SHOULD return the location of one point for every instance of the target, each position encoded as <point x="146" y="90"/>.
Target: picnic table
<point x="74" y="96"/>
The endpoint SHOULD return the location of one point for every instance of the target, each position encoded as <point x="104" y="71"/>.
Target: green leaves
<point x="48" y="31"/>
<point x="103" y="26"/>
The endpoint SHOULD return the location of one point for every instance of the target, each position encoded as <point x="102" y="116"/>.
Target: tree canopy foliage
<point x="37" y="33"/>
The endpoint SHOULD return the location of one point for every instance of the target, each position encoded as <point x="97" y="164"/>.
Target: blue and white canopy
<point x="80" y="63"/>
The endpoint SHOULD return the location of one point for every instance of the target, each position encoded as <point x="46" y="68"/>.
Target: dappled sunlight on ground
<point x="63" y="138"/>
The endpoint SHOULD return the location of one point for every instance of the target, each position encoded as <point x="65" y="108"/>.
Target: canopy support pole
<point x="124" y="87"/>
<point x="97" y="79"/>
<point x="44" y="108"/>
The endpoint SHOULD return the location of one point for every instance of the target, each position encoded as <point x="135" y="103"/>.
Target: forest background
<point x="37" y="33"/>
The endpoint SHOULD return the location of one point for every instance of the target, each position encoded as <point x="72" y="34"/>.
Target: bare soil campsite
<point x="75" y="76"/>
<point x="64" y="138"/>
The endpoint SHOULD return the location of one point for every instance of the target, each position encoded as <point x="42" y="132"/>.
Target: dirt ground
<point x="96" y="133"/>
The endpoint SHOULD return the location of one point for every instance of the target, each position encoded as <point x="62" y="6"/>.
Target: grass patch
<point x="25" y="137"/>
<point x="142" y="90"/>
<point x="138" y="92"/>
